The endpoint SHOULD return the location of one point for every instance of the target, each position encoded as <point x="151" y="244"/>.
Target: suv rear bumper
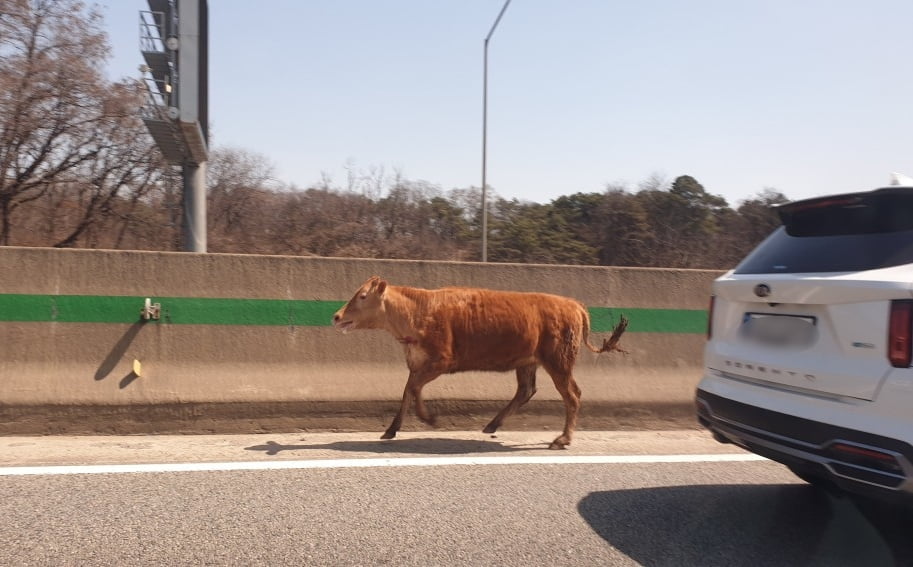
<point x="853" y="460"/>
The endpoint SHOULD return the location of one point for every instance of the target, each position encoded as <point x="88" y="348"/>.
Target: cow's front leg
<point x="418" y="381"/>
<point x="413" y="391"/>
<point x="390" y="433"/>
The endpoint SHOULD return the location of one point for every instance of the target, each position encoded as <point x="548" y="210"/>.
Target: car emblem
<point x="762" y="290"/>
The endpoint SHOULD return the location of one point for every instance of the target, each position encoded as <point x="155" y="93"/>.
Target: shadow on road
<point x="743" y="525"/>
<point x="426" y="446"/>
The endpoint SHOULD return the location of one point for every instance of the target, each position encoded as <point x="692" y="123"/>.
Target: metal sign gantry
<point x="174" y="44"/>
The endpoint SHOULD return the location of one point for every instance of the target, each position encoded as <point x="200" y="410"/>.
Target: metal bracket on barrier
<point x="151" y="310"/>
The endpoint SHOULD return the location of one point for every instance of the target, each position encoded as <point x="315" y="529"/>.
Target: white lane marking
<point x="372" y="462"/>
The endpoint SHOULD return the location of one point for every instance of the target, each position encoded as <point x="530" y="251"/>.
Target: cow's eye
<point x="363" y="296"/>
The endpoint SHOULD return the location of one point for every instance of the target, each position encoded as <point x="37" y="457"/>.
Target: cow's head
<point x="365" y="310"/>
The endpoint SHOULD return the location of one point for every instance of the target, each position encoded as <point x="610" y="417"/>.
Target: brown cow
<point x="457" y="329"/>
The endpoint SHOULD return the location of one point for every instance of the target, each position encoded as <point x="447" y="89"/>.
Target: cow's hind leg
<point x="412" y="391"/>
<point x="570" y="393"/>
<point x="526" y="387"/>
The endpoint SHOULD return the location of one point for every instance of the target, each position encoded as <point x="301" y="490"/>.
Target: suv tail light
<point x="710" y="318"/>
<point x="900" y="333"/>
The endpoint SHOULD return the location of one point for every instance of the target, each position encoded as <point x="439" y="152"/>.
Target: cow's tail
<point x="609" y="344"/>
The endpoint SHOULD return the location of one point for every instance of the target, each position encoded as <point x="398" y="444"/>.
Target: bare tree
<point x="125" y="170"/>
<point x="325" y="222"/>
<point x="67" y="135"/>
<point x="240" y="189"/>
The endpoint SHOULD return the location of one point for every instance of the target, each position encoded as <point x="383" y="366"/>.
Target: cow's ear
<point x="380" y="286"/>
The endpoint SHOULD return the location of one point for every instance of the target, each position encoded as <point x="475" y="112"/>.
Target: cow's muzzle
<point x="341" y="325"/>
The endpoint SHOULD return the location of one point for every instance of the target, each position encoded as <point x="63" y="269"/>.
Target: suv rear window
<point x="843" y="233"/>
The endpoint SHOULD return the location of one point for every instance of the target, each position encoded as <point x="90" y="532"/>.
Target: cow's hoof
<point x="559" y="444"/>
<point x="388" y="435"/>
<point x="490" y="428"/>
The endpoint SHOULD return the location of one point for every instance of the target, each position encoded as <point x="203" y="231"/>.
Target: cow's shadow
<point x="422" y="446"/>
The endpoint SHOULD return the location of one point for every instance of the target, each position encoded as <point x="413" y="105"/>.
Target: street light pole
<point x="485" y="136"/>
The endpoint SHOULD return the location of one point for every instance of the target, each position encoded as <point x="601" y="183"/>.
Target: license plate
<point x="775" y="330"/>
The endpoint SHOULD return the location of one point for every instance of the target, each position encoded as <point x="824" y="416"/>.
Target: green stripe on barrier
<point x="275" y="312"/>
<point x="176" y="310"/>
<point x="641" y="320"/>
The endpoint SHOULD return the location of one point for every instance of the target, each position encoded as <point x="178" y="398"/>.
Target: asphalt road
<point x="450" y="498"/>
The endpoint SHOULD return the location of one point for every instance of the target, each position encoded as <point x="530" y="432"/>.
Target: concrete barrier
<point x="244" y="343"/>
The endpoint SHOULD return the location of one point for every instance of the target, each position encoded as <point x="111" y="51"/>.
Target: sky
<point x="806" y="97"/>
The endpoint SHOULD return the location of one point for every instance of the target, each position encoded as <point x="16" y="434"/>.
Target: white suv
<point x="810" y="338"/>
